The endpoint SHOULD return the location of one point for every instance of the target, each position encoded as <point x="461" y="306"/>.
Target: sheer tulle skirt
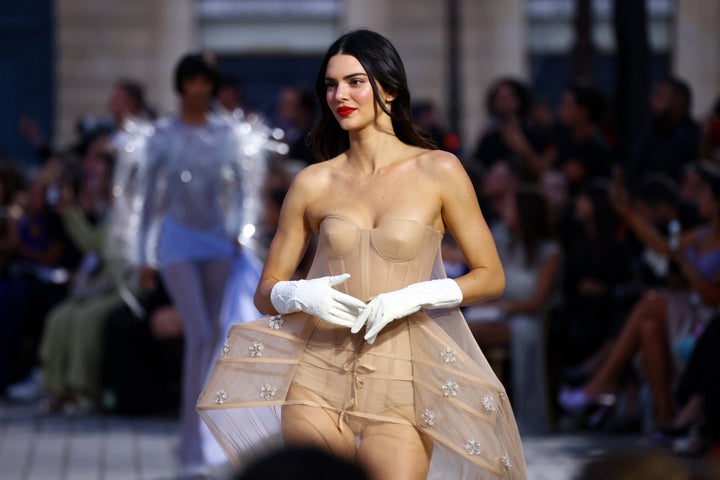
<point x="414" y="374"/>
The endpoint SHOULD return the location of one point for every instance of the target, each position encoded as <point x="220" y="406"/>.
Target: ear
<point x="389" y="97"/>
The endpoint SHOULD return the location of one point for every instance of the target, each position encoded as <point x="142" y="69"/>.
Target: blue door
<point x="26" y="74"/>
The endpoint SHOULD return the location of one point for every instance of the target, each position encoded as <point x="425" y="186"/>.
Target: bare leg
<point x="650" y="308"/>
<point x="394" y="452"/>
<point x="316" y="427"/>
<point x="656" y="360"/>
<point x="691" y="412"/>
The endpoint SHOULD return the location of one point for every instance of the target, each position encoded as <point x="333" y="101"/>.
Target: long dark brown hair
<point x="383" y="66"/>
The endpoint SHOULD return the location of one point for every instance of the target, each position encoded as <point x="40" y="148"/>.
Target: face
<point x="660" y="99"/>
<point x="568" y="110"/>
<point x="197" y="92"/>
<point x="349" y="94"/>
<point x="583" y="208"/>
<point x="229" y="98"/>
<point x="554" y="186"/>
<point x="120" y="104"/>
<point x="505" y="104"/>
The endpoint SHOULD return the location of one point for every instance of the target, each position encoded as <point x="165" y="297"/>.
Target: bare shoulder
<point x="314" y="177"/>
<point x="442" y="166"/>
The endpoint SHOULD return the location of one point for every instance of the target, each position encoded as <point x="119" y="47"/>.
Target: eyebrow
<point x="346" y="77"/>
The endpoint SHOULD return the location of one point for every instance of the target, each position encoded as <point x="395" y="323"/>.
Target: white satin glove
<point x="386" y="307"/>
<point x="318" y="298"/>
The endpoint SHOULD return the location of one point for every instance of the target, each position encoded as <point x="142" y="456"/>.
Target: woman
<point x="512" y="135"/>
<point x="597" y="264"/>
<point x="411" y="386"/>
<point x="531" y="258"/>
<point x="663" y="322"/>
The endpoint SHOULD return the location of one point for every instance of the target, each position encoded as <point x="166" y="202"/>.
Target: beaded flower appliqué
<point x="428" y="417"/>
<point x="489" y="403"/>
<point x="448" y="355"/>
<point x="256" y="349"/>
<point x="225" y="349"/>
<point x="505" y="460"/>
<point x="221" y="397"/>
<point x="450" y="389"/>
<point x="473" y="447"/>
<point x="268" y="392"/>
<point x="276" y="322"/>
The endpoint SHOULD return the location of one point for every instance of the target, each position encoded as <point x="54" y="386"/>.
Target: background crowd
<point x="612" y="262"/>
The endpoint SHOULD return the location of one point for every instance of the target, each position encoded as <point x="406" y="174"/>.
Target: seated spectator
<point x="142" y="355"/>
<point x="70" y="349"/>
<point x="657" y="201"/>
<point x="427" y="118"/>
<point x="583" y="155"/>
<point x="496" y="188"/>
<point x="36" y="277"/>
<point x="597" y="264"/>
<point x="230" y="97"/>
<point x="511" y="135"/>
<point x="531" y="260"/>
<point x="295" y="114"/>
<point x="11" y="184"/>
<point x="664" y="321"/>
<point x="672" y="138"/>
<point x="696" y="427"/>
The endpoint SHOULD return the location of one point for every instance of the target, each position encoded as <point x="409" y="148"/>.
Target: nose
<point x="341" y="93"/>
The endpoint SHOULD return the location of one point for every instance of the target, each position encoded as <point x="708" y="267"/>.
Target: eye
<point x="329" y="85"/>
<point x="356" y="81"/>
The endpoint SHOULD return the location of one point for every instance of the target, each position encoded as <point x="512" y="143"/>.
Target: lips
<point x="345" y="111"/>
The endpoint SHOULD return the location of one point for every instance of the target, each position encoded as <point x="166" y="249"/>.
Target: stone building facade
<point x="100" y="41"/>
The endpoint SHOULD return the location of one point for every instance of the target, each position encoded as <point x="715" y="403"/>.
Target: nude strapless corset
<point x="424" y="370"/>
<point x="388" y="257"/>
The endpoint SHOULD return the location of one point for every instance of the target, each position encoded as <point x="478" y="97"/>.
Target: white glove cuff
<point x="282" y="297"/>
<point x="449" y="291"/>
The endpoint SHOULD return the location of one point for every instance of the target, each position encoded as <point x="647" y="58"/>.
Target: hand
<point x="165" y="323"/>
<point x="619" y="198"/>
<point x="386" y="307"/>
<point x="317" y="297"/>
<point x="514" y="137"/>
<point x="147" y="279"/>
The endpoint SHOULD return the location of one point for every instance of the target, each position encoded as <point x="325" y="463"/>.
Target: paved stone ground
<point x="34" y="446"/>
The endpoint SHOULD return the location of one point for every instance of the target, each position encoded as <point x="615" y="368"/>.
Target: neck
<point x="371" y="149"/>
<point x="193" y="116"/>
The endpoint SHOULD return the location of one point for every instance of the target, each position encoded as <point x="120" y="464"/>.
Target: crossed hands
<point x="317" y="297"/>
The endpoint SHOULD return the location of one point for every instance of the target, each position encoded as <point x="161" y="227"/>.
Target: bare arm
<point x="462" y="216"/>
<point x="288" y="244"/>
<point x="642" y="227"/>
<point x="535" y="162"/>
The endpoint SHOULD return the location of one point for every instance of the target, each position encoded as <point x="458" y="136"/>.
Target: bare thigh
<point x="383" y="444"/>
<point x="317" y="427"/>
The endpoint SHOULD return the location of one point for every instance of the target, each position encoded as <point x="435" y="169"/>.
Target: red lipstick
<point x="345" y="111"/>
